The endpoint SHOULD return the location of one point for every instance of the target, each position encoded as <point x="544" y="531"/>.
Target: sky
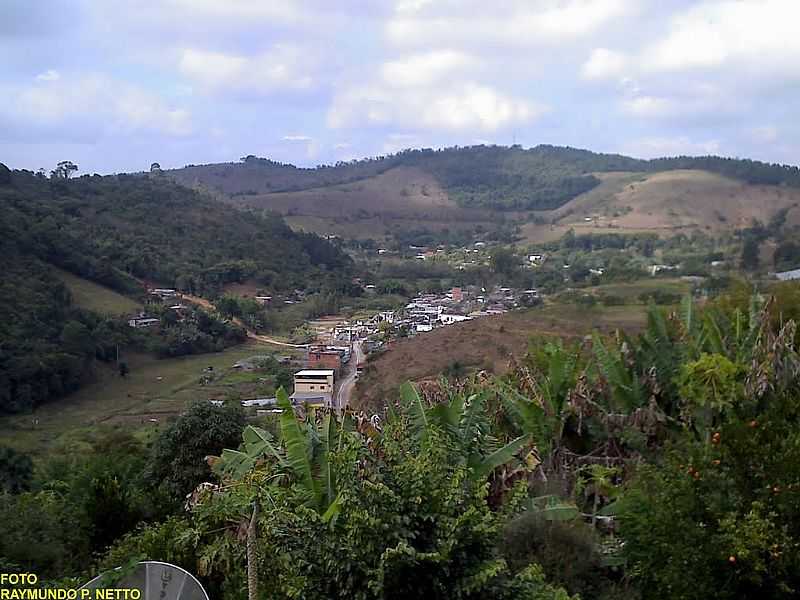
<point x="115" y="85"/>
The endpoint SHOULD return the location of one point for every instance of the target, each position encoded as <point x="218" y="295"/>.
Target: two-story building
<point x="314" y="386"/>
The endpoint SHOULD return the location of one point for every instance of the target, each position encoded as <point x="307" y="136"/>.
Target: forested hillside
<point x="119" y="231"/>
<point x="496" y="177"/>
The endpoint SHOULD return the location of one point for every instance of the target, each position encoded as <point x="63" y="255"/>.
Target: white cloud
<point x="765" y="134"/>
<point x="281" y="69"/>
<point x="651" y="106"/>
<point x="688" y="101"/>
<point x="426" y="69"/>
<point x="604" y="64"/>
<point x="111" y="106"/>
<point x="514" y="22"/>
<point x="744" y="33"/>
<point x="236" y="10"/>
<point x="296" y="138"/>
<point x="49" y="75"/>
<point x="459" y="107"/>
<point x="657" y="147"/>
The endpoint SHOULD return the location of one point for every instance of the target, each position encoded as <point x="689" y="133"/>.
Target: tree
<point x="504" y="261"/>
<point x="123" y="368"/>
<point x="64" y="170"/>
<point x="155" y="168"/>
<point x="5" y="175"/>
<point x="178" y="456"/>
<point x="750" y="249"/>
<point x="16" y="470"/>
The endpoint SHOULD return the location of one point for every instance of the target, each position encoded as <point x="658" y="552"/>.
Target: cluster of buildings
<point x="429" y="311"/>
<point x="159" y="296"/>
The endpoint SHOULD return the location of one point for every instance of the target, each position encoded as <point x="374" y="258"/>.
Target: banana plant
<point x="464" y="420"/>
<point x="304" y="456"/>
<point x="625" y="390"/>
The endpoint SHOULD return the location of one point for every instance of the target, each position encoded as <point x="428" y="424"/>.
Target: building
<point x="142" y="321"/>
<point x="788" y="275"/>
<point x="448" y="319"/>
<point x="457" y="294"/>
<point x="313" y="386"/>
<point x="322" y="358"/>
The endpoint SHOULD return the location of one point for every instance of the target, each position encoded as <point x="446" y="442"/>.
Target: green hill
<point x="494" y="177"/>
<point x="66" y="244"/>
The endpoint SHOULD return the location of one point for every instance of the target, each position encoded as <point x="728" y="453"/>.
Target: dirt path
<point x="250" y="333"/>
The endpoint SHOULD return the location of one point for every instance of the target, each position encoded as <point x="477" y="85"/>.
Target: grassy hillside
<point x="154" y="389"/>
<point x="496" y="177"/>
<point x="92" y="296"/>
<point x="486" y="343"/>
<point x="461" y="188"/>
<point x="667" y="203"/>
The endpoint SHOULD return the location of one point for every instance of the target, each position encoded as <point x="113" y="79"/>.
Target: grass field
<point x="631" y="291"/>
<point x="154" y="389"/>
<point x="484" y="343"/>
<point x="95" y="297"/>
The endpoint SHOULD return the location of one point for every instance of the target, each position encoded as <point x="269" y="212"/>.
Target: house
<point x="535" y="258"/>
<point x="322" y="358"/>
<point x="259" y="402"/>
<point x="141" y="321"/>
<point x="163" y="293"/>
<point x="313" y="385"/>
<point x="788" y="275"/>
<point x="263" y="300"/>
<point x="655" y="269"/>
<point x="457" y="294"/>
<point x="423" y="327"/>
<point x="314" y="381"/>
<point x="596" y="271"/>
<point x="447" y="319"/>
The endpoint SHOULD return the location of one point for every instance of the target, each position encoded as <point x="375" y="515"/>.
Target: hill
<point x="66" y="244"/>
<point x="479" y="186"/>
<point x="668" y="202"/>
<point x="486" y="343"/>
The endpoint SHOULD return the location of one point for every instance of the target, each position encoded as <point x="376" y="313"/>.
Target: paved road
<point x="347" y="384"/>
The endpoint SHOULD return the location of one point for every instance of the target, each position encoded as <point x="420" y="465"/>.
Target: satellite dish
<point x="155" y="581"/>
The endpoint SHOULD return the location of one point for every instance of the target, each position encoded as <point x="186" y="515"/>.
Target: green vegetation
<point x="662" y="465"/>
<point x="114" y="232"/>
<point x="503" y="178"/>
<point x="96" y="298"/>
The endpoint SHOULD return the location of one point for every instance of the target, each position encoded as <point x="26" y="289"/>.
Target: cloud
<point x="604" y="64"/>
<point x="282" y="68"/>
<point x="427" y="68"/>
<point x="751" y="33"/>
<point x="96" y="103"/>
<point x="764" y="134"/>
<point x="461" y="107"/>
<point x="690" y="101"/>
<point x="657" y="147"/>
<point x="49" y="75"/>
<point x="515" y="22"/>
<point x="296" y="138"/>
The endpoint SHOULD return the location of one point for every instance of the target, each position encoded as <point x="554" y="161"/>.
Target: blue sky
<point x="115" y="85"/>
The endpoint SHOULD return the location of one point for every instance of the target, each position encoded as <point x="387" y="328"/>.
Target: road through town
<point x="344" y="390"/>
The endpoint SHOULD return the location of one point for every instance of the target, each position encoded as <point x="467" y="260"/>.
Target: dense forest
<point x="122" y="231"/>
<point x="497" y="177"/>
<point x="663" y="465"/>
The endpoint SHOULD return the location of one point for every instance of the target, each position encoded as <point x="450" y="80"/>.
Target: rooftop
<point x="311" y="372"/>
